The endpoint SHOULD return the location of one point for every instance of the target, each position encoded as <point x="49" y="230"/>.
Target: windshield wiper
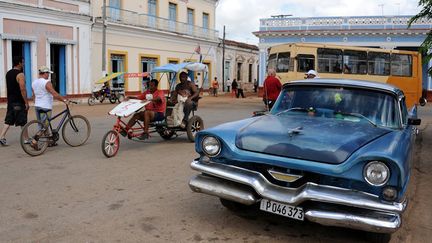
<point x="293" y="109"/>
<point x="357" y="115"/>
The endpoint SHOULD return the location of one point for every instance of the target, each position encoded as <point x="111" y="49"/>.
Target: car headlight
<point x="376" y="173"/>
<point x="211" y="146"/>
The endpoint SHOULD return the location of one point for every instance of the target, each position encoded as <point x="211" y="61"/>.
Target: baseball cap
<point x="44" y="69"/>
<point x="312" y="72"/>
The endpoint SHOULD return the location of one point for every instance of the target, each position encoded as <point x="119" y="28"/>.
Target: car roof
<point x="347" y="83"/>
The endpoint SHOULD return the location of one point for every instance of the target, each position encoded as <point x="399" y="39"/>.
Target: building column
<point x="69" y="79"/>
<point x="262" y="64"/>
<point x="34" y="63"/>
<point x="2" y="71"/>
<point x="8" y="55"/>
<point x="76" y="79"/>
<point x="48" y="54"/>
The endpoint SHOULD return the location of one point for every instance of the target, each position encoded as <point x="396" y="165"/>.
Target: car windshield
<point x="351" y="104"/>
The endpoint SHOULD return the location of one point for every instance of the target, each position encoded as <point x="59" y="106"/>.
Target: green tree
<point x="426" y="13"/>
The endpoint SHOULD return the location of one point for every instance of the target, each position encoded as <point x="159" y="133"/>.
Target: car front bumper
<point x="249" y="187"/>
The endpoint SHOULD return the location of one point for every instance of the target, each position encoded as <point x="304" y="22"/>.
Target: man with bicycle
<point x="44" y="94"/>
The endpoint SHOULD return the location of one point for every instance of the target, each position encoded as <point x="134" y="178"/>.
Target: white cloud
<point x="241" y="17"/>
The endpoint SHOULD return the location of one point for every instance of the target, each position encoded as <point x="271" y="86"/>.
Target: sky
<point x="241" y="17"/>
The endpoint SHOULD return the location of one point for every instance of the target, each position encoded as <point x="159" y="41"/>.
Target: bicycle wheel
<point x="194" y="125"/>
<point x="113" y="99"/>
<point x="110" y="143"/>
<point x="120" y="98"/>
<point x="91" y="100"/>
<point x="33" y="139"/>
<point x="76" y="130"/>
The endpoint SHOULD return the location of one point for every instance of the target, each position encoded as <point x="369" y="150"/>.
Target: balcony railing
<point x="342" y="23"/>
<point x="128" y="17"/>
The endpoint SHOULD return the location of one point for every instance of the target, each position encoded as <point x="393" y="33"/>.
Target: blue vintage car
<point x="334" y="152"/>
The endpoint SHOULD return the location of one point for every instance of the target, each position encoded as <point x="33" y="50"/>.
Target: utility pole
<point x="382" y="8"/>
<point x="223" y="60"/>
<point x="104" y="38"/>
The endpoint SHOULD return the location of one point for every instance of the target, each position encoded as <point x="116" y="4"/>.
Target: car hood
<point x="309" y="138"/>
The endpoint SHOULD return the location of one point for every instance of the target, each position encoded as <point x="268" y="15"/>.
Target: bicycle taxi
<point x="168" y="127"/>
<point x="110" y="87"/>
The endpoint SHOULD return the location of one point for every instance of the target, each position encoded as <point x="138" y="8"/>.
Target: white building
<point x="241" y="63"/>
<point x="390" y="32"/>
<point x="55" y="33"/>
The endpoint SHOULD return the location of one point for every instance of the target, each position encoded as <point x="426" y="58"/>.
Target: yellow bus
<point x="400" y="68"/>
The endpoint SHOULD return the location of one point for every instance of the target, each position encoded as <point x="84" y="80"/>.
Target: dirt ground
<point x="142" y="195"/>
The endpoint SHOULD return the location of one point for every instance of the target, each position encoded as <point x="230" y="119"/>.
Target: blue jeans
<point x="43" y="115"/>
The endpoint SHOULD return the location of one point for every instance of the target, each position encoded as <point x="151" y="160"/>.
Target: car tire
<point x="233" y="206"/>
<point x="378" y="237"/>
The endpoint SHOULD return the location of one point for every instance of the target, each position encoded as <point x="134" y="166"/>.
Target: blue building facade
<point x="390" y="32"/>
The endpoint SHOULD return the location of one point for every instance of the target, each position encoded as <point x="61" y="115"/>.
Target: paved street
<point x="142" y="195"/>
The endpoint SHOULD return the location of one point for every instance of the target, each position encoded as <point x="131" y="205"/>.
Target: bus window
<point x="283" y="62"/>
<point x="272" y="61"/>
<point x="379" y="63"/>
<point x="355" y="62"/>
<point x="329" y="60"/>
<point x="401" y="65"/>
<point x="305" y="63"/>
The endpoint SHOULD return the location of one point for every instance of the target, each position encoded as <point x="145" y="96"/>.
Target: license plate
<point x="282" y="209"/>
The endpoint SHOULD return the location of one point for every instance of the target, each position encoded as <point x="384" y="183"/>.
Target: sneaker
<point x="34" y="145"/>
<point x="3" y="142"/>
<point x="52" y="144"/>
<point x="183" y="125"/>
<point x="144" y="136"/>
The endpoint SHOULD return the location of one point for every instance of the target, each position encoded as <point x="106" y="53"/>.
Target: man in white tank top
<point x="44" y="93"/>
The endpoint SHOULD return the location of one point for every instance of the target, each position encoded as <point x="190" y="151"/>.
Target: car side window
<point x="404" y="111"/>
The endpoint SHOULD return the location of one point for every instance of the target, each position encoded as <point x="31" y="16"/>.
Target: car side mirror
<point x="414" y="121"/>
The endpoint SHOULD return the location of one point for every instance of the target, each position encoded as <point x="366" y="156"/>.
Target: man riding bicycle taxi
<point x="154" y="111"/>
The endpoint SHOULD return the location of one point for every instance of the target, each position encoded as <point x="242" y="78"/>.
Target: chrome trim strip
<point x="369" y="221"/>
<point x="296" y="196"/>
<point x="223" y="189"/>
<point x="378" y="222"/>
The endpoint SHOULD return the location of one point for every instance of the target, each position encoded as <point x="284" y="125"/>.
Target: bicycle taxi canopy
<point x="109" y="77"/>
<point x="176" y="68"/>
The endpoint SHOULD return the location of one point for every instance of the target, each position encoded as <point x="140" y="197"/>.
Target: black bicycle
<point x="37" y="136"/>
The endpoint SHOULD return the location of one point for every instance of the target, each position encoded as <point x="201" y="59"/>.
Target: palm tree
<point x="426" y="13"/>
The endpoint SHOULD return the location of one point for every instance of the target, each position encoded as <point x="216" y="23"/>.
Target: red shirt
<point x="272" y="88"/>
<point x="154" y="106"/>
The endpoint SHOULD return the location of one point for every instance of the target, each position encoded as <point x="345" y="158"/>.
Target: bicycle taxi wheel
<point x="91" y="100"/>
<point x="76" y="130"/>
<point x="194" y="125"/>
<point x="110" y="143"/>
<point x="33" y="139"/>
